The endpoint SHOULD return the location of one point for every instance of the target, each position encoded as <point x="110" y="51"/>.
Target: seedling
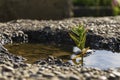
<point x="78" y="35"/>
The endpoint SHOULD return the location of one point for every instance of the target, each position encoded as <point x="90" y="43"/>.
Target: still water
<point x="34" y="52"/>
<point x="102" y="59"/>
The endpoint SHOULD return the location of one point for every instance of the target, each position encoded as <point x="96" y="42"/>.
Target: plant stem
<point x="82" y="60"/>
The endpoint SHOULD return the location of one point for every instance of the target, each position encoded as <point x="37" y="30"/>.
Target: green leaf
<point x="74" y="38"/>
<point x="78" y="34"/>
<point x="75" y="31"/>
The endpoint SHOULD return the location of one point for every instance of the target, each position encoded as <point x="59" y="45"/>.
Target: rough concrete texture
<point x="35" y="9"/>
<point x="103" y="32"/>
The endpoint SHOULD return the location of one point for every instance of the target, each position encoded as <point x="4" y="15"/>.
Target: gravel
<point x="102" y="33"/>
<point x="51" y="70"/>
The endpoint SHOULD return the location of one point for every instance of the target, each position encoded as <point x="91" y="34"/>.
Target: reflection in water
<point x="34" y="52"/>
<point x="103" y="59"/>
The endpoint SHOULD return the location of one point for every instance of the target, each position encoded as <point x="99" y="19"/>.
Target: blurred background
<point x="57" y="9"/>
<point x="96" y="7"/>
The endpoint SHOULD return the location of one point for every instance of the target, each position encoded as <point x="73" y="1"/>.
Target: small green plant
<point x="78" y="35"/>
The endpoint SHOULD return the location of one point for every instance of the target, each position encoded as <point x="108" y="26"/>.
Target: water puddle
<point x="34" y="52"/>
<point x="102" y="59"/>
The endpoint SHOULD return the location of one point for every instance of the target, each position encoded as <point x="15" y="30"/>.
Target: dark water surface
<point x="34" y="52"/>
<point x="102" y="59"/>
